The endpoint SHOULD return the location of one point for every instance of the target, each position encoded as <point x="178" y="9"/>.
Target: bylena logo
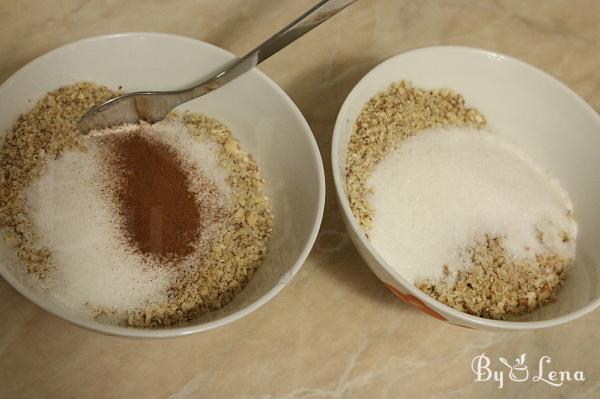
<point x="519" y="371"/>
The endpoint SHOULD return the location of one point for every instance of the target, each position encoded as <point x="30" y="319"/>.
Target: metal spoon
<point x="153" y="106"/>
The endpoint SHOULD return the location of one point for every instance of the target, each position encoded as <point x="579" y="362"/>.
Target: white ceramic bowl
<point x="526" y="107"/>
<point x="261" y="115"/>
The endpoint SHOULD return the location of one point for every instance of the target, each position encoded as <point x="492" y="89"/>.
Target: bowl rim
<point x="357" y="231"/>
<point x="131" y="332"/>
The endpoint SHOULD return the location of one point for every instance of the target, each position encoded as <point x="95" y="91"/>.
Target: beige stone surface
<point x="335" y="331"/>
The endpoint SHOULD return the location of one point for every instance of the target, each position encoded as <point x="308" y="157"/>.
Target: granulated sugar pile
<point x="139" y="225"/>
<point x="447" y="188"/>
<point x="98" y="267"/>
<point x="78" y="224"/>
<point x="468" y="219"/>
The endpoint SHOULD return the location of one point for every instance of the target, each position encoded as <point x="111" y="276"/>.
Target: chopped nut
<point x="250" y="218"/>
<point x="231" y="146"/>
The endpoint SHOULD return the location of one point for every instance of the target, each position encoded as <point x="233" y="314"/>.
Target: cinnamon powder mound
<point x="158" y="209"/>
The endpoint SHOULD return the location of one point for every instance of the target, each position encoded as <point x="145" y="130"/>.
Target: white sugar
<point x="94" y="267"/>
<point x="174" y="133"/>
<point x="79" y="226"/>
<point x="444" y="189"/>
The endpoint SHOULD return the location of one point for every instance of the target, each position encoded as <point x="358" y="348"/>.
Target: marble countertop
<point x="335" y="331"/>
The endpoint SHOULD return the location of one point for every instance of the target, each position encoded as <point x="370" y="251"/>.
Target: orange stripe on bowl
<point x="415" y="302"/>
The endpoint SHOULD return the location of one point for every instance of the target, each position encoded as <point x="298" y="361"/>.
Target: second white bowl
<point x="526" y="107"/>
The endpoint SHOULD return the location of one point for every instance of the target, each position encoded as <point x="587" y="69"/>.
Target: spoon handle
<point x="318" y="14"/>
<point x="153" y="106"/>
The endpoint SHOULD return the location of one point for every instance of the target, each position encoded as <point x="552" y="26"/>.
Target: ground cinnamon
<point x="159" y="213"/>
